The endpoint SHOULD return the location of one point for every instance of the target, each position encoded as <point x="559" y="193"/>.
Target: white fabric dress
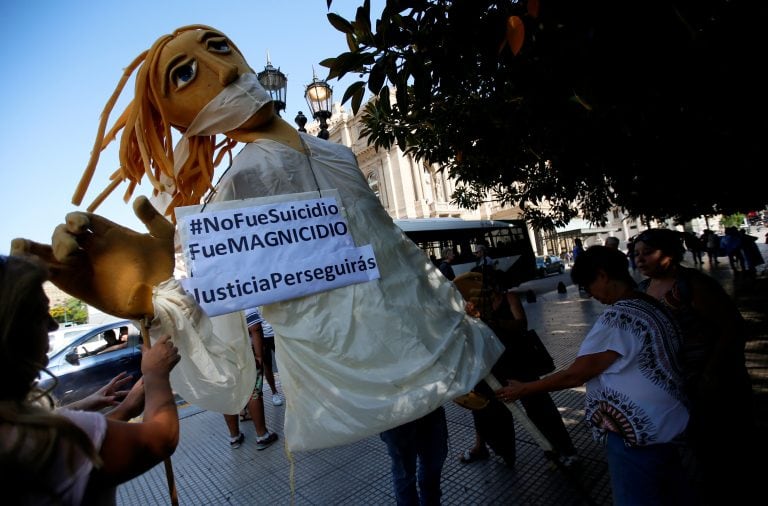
<point x="361" y="359"/>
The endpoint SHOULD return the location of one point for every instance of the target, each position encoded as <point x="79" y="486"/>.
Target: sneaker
<point x="276" y="400"/>
<point x="235" y="443"/>
<point x="265" y="441"/>
<point x="569" y="461"/>
<point x="563" y="462"/>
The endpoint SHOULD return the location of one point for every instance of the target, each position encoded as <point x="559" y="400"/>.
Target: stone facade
<point x="406" y="187"/>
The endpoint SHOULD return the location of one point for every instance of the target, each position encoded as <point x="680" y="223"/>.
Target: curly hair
<point x="146" y="144"/>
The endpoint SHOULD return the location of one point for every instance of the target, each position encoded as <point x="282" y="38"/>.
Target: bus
<point x="506" y="242"/>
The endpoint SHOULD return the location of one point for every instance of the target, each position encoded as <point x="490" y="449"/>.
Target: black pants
<point x="495" y="424"/>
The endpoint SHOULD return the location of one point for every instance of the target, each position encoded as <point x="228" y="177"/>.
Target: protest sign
<point x="240" y="254"/>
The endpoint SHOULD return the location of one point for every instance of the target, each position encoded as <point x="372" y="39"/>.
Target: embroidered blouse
<point x="640" y="396"/>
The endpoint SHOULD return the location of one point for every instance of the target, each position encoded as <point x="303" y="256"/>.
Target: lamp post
<point x="319" y="96"/>
<point x="301" y="120"/>
<point x="276" y="83"/>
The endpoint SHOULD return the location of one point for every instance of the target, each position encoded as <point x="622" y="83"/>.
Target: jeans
<point x="645" y="475"/>
<point x="422" y="443"/>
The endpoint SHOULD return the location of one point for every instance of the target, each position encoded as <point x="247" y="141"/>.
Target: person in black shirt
<point x="445" y="266"/>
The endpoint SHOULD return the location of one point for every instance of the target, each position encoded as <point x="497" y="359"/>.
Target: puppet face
<point x="192" y="69"/>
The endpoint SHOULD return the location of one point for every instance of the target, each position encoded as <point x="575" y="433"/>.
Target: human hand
<point x="512" y="392"/>
<point x="110" y="394"/>
<point x="106" y="265"/>
<point x="472" y="309"/>
<point x="160" y="358"/>
<point x="132" y="405"/>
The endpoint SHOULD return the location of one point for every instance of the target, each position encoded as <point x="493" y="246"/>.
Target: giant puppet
<point x="354" y="361"/>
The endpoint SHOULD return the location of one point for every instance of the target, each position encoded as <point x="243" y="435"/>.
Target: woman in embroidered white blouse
<point x="635" y="401"/>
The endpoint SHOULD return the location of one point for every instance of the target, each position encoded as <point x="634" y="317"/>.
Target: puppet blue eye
<point x="218" y="45"/>
<point x="183" y="74"/>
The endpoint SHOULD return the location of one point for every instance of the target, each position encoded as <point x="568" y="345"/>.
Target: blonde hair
<point x="32" y="432"/>
<point x="146" y="144"/>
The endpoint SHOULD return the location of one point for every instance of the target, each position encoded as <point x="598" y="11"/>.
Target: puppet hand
<point x="106" y="265"/>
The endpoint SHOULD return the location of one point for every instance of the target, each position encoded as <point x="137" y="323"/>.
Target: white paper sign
<point x="248" y="253"/>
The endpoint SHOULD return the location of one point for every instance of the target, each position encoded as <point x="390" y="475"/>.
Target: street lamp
<point x="275" y="83"/>
<point x="319" y="97"/>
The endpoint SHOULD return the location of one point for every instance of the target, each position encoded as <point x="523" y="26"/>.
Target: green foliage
<point x="73" y="310"/>
<point x="733" y="220"/>
<point x="656" y="107"/>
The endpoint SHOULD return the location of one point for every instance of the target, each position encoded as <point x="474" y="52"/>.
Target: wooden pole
<point x="145" y="324"/>
<point x="521" y="417"/>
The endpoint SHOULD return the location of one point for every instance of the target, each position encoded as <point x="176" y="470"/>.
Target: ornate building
<point x="406" y="187"/>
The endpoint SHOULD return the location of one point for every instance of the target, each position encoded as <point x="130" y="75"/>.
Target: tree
<point x="734" y="220"/>
<point x="657" y="107"/>
<point x="72" y="310"/>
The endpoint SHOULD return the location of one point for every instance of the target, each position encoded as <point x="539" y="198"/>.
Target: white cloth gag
<point x="235" y="104"/>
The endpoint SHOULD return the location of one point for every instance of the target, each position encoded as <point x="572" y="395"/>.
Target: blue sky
<point x="62" y="61"/>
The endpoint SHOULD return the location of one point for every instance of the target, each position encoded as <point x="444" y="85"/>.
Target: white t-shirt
<point x="65" y="480"/>
<point x="640" y="395"/>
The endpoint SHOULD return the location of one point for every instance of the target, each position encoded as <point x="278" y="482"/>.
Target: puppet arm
<point x="106" y="265"/>
<point x="130" y="275"/>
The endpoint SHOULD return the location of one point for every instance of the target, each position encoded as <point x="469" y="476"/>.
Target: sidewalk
<point x="208" y="472"/>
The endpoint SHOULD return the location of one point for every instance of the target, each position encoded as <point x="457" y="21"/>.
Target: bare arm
<point x="132" y="405"/>
<point x="130" y="449"/>
<point x="110" y="394"/>
<point x="579" y="372"/>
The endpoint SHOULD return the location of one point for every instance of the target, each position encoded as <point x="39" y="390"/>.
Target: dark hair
<point x="110" y="336"/>
<point x="669" y="242"/>
<point x="612" y="261"/>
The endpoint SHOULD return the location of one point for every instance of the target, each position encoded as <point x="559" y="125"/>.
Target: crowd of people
<point x="738" y="246"/>
<point x="663" y="364"/>
<point x="502" y="310"/>
<point x="635" y="400"/>
<point x="668" y="391"/>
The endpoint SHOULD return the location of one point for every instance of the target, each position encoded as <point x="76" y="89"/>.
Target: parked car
<point x="549" y="264"/>
<point x="82" y="360"/>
